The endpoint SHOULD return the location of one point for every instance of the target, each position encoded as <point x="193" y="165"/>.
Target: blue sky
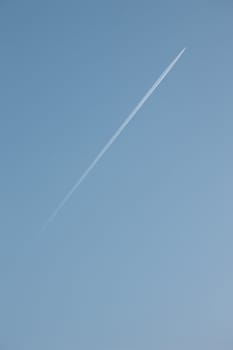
<point x="141" y="256"/>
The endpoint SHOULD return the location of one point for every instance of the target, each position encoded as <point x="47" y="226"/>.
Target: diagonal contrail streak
<point x="112" y="140"/>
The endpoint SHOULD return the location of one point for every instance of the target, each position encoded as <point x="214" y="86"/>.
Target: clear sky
<point x="141" y="256"/>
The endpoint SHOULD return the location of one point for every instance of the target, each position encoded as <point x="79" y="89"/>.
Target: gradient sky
<point x="141" y="256"/>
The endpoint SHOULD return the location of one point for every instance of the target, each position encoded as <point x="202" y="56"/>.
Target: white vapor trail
<point x="112" y="140"/>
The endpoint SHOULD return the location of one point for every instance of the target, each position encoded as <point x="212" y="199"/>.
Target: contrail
<point x="112" y="140"/>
